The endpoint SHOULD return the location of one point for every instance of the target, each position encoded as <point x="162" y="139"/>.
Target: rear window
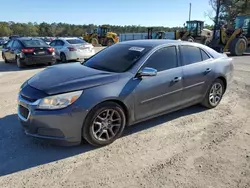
<point x="117" y="58"/>
<point x="34" y="43"/>
<point x="75" y="41"/>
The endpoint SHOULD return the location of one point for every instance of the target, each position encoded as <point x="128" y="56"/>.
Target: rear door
<point x="15" y="49"/>
<point x="197" y="72"/>
<point x="162" y="92"/>
<point x="59" y="47"/>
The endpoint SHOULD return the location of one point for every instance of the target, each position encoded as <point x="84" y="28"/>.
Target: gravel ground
<point x="191" y="148"/>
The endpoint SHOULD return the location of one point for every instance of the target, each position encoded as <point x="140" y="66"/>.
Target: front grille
<point x="28" y="99"/>
<point x="24" y="112"/>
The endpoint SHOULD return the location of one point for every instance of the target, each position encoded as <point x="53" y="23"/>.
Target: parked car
<point x="123" y="84"/>
<point x="27" y="51"/>
<point x="2" y="41"/>
<point x="67" y="49"/>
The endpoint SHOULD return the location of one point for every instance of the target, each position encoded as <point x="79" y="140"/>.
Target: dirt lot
<point x="191" y="148"/>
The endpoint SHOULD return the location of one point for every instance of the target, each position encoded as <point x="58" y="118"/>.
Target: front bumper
<point x="34" y="60"/>
<point x="80" y="55"/>
<point x="61" y="127"/>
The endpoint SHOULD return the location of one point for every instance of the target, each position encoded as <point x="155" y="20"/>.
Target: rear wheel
<point x="19" y="63"/>
<point x="214" y="94"/>
<point x="4" y="58"/>
<point x="238" y="46"/>
<point x="63" y="58"/>
<point x="104" y="124"/>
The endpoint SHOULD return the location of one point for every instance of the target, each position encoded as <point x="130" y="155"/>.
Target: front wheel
<point x="214" y="94"/>
<point x="104" y="124"/>
<point x="4" y="58"/>
<point x="19" y="63"/>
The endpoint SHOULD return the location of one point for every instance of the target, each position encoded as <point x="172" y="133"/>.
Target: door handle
<point x="208" y="70"/>
<point x="176" y="79"/>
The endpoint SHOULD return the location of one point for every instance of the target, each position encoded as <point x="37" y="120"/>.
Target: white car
<point x="72" y="49"/>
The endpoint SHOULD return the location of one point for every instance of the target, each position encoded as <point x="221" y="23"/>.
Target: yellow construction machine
<point x="101" y="36"/>
<point x="156" y="35"/>
<point x="236" y="41"/>
<point x="193" y="31"/>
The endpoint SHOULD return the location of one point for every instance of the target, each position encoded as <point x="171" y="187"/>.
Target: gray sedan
<point x="123" y="84"/>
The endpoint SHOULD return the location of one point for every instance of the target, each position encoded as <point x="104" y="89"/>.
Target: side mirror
<point x="147" y="71"/>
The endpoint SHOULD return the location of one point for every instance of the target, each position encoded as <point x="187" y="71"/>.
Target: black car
<point x="28" y="51"/>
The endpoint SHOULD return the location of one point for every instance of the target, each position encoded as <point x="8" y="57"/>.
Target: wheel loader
<point x="236" y="40"/>
<point x="156" y="35"/>
<point x="101" y="36"/>
<point x="193" y="32"/>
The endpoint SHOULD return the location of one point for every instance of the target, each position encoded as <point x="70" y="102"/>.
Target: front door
<point x="197" y="73"/>
<point x="7" y="50"/>
<point x="162" y="92"/>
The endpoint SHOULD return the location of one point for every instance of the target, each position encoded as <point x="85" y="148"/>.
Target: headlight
<point x="59" y="101"/>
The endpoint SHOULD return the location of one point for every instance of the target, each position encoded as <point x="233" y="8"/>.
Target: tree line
<point x="229" y="9"/>
<point x="64" y="29"/>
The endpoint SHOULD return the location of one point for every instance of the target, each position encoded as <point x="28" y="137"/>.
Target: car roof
<point x="67" y="38"/>
<point x="154" y="42"/>
<point x="27" y="38"/>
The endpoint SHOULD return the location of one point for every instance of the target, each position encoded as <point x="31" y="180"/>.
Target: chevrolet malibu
<point x="123" y="84"/>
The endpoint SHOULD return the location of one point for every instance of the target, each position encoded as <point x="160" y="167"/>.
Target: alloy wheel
<point x="106" y="125"/>
<point x="215" y="94"/>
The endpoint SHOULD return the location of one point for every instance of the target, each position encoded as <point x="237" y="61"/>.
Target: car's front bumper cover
<point x="63" y="127"/>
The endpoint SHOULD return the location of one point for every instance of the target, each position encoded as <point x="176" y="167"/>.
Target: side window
<point x="204" y="55"/>
<point x="163" y="59"/>
<point x="9" y="44"/>
<point x="59" y="43"/>
<point x="16" y="45"/>
<point x="53" y="43"/>
<point x="190" y="55"/>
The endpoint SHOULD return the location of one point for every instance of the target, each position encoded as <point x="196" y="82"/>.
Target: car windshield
<point x="117" y="58"/>
<point x="76" y="41"/>
<point x="34" y="43"/>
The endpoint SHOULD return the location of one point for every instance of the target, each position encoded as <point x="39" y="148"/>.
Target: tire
<point x="92" y="130"/>
<point x="190" y="39"/>
<point x="207" y="99"/>
<point x="110" y="42"/>
<point x="63" y="58"/>
<point x="207" y="42"/>
<point x="238" y="46"/>
<point x="19" y="63"/>
<point x="4" y="58"/>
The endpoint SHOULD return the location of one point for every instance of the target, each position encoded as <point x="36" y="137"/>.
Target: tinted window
<point x="9" y="44"/>
<point x="190" y="54"/>
<point x="53" y="43"/>
<point x="16" y="45"/>
<point x="59" y="43"/>
<point x="75" y="41"/>
<point x="34" y="43"/>
<point x="117" y="58"/>
<point x="204" y="55"/>
<point x="163" y="59"/>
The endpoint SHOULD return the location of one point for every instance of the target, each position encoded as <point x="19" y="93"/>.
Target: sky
<point x="168" y="13"/>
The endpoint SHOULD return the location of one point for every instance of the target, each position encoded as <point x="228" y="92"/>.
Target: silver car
<point x="67" y="49"/>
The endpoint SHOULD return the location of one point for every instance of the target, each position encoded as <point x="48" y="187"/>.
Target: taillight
<point x="51" y="49"/>
<point x="28" y="50"/>
<point x="72" y="49"/>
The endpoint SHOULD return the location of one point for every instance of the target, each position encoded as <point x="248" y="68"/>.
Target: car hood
<point x="70" y="77"/>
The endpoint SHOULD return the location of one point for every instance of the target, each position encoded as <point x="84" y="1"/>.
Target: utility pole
<point x="216" y="17"/>
<point x="190" y="9"/>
